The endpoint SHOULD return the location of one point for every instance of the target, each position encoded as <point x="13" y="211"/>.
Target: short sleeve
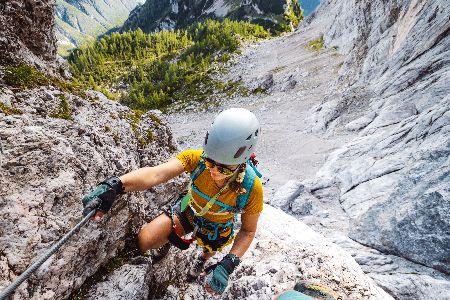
<point x="255" y="200"/>
<point x="189" y="158"/>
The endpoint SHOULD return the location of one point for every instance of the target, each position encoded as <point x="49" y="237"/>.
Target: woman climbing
<point x="224" y="183"/>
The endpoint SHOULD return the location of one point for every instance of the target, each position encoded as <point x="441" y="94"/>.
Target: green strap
<point x="186" y="199"/>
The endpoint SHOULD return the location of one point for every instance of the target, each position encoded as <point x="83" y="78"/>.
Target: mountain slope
<point x="80" y="20"/>
<point x="383" y="105"/>
<point x="156" y="15"/>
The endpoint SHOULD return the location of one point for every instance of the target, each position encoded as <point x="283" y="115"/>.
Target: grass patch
<point x="316" y="44"/>
<point x="155" y="119"/>
<point x="64" y="109"/>
<point x="24" y="76"/>
<point x="259" y="90"/>
<point x="8" y="110"/>
<point x="150" y="136"/>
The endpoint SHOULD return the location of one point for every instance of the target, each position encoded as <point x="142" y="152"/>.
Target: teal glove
<point x="218" y="274"/>
<point x="218" y="279"/>
<point x="103" y="196"/>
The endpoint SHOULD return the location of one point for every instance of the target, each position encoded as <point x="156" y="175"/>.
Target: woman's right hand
<point x="102" y="198"/>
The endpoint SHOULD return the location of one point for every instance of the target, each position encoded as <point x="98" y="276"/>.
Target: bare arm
<point x="145" y="178"/>
<point x="246" y="234"/>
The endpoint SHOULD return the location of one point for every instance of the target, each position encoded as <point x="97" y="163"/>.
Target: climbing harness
<point x="176" y="235"/>
<point x="6" y="292"/>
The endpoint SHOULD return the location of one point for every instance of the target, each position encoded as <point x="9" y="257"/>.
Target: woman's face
<point x="217" y="176"/>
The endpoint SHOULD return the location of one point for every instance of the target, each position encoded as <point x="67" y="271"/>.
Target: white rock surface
<point x="129" y="282"/>
<point x="283" y="252"/>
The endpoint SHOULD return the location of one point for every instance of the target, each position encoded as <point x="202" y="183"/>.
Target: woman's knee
<point x="154" y="234"/>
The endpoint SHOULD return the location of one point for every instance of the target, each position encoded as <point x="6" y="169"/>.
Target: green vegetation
<point x="147" y="71"/>
<point x="8" y="110"/>
<point x="155" y="119"/>
<point x="64" y="110"/>
<point x="24" y="76"/>
<point x="316" y="44"/>
<point x="150" y="136"/>
<point x="292" y="16"/>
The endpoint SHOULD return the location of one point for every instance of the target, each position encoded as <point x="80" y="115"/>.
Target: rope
<point x="5" y="293"/>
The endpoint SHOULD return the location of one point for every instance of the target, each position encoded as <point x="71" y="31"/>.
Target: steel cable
<point x="6" y="292"/>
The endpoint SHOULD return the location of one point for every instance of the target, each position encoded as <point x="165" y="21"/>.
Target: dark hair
<point x="237" y="184"/>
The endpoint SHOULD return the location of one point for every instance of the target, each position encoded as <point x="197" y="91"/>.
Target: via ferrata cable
<point x="6" y="292"/>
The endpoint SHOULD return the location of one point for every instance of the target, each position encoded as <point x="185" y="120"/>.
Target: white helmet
<point x="233" y="136"/>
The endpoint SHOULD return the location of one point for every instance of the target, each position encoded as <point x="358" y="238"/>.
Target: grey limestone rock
<point x="393" y="179"/>
<point x="397" y="276"/>
<point x="283" y="252"/>
<point x="27" y="34"/>
<point x="49" y="163"/>
<point x="129" y="282"/>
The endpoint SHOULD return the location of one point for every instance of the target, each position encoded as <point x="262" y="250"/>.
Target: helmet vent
<point x="249" y="137"/>
<point x="206" y="138"/>
<point x="256" y="132"/>
<point x="240" y="151"/>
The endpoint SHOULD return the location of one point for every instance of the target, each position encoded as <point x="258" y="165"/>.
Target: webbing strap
<point x="203" y="195"/>
<point x="213" y="200"/>
<point x="248" y="182"/>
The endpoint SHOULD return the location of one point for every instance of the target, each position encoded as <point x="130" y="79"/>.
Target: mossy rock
<point x="155" y="119"/>
<point x="24" y="76"/>
<point x="64" y="109"/>
<point x="8" y="110"/>
<point x="316" y="44"/>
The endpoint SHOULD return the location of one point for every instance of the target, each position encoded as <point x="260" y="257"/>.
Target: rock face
<point x="81" y="20"/>
<point x="399" y="163"/>
<point x="27" y="32"/>
<point x="156" y="15"/>
<point x="392" y="181"/>
<point x="129" y="282"/>
<point x="276" y="260"/>
<point x="49" y="163"/>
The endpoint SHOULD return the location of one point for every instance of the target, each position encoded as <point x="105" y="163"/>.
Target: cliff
<point x="380" y="115"/>
<point x="156" y="15"/>
<point x="21" y="40"/>
<point x="83" y="20"/>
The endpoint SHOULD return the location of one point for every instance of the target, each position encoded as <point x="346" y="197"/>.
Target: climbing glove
<point x="217" y="275"/>
<point x="103" y="196"/>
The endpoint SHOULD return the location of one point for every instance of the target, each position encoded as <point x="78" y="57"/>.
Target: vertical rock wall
<point x="393" y="180"/>
<point x="27" y="33"/>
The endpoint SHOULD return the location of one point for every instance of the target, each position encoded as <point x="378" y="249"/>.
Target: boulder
<point x="129" y="282"/>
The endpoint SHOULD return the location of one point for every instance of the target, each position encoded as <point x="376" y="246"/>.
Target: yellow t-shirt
<point x="204" y="182"/>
